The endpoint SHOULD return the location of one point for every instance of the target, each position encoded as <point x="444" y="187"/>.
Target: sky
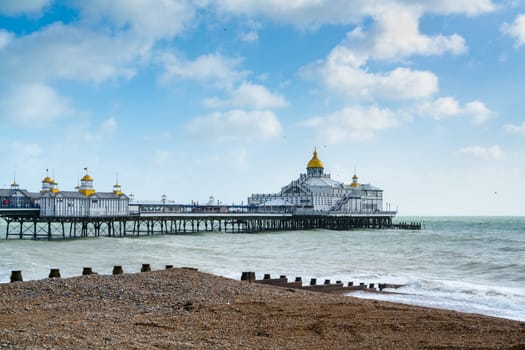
<point x="225" y="98"/>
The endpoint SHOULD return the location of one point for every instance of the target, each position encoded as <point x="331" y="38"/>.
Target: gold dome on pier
<point x="48" y="180"/>
<point x="315" y="162"/>
<point x="87" y="178"/>
<point x="355" y="182"/>
<point x="86" y="185"/>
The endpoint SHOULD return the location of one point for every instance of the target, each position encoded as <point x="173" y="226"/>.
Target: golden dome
<point x="315" y="162"/>
<point x="87" y="178"/>
<point x="355" y="183"/>
<point x="117" y="189"/>
<point x="48" y="180"/>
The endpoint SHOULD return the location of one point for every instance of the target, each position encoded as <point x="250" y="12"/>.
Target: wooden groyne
<point x="16" y="275"/>
<point x="24" y="226"/>
<point x="326" y="287"/>
<point x="282" y="281"/>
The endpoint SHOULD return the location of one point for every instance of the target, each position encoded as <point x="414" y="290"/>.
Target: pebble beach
<point x="188" y="309"/>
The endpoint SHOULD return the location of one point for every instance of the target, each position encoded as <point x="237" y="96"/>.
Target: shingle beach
<point x="187" y="309"/>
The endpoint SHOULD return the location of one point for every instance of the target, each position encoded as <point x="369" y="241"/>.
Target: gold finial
<point x="14" y="184"/>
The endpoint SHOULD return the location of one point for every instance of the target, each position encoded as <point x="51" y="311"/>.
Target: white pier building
<point x="84" y="202"/>
<point x="317" y="192"/>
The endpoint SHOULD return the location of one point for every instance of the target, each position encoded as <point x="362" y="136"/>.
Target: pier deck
<point x="30" y="225"/>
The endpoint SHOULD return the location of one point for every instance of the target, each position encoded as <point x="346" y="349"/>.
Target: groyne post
<point x="248" y="276"/>
<point x="54" y="273"/>
<point x="16" y="276"/>
<point x="117" y="270"/>
<point x="87" y="271"/>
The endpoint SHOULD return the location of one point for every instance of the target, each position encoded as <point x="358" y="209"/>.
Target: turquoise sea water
<point x="470" y="264"/>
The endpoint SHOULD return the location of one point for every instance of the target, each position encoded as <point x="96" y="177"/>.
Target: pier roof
<point x="7" y="192"/>
<point x="322" y="182"/>
<point x="75" y="194"/>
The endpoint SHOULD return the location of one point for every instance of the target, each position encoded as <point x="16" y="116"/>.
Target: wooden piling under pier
<point x="38" y="227"/>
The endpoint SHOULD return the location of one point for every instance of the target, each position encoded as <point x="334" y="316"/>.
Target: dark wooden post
<point x="54" y="273"/>
<point x="16" y="276"/>
<point x="117" y="270"/>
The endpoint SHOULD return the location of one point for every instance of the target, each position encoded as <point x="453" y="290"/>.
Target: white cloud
<point x="302" y="13"/>
<point x="69" y="52"/>
<point x="151" y="20"/>
<point x="440" y="108"/>
<point x="251" y="32"/>
<point x="35" y="103"/>
<point x="312" y="13"/>
<point x="341" y="75"/>
<point x="478" y="111"/>
<point x="446" y="107"/>
<point x="18" y="7"/>
<point x="493" y="152"/>
<point x="5" y="38"/>
<point x="516" y="29"/>
<point x="212" y="67"/>
<point x="515" y="129"/>
<point x="249" y="37"/>
<point x="353" y="123"/>
<point x="235" y="125"/>
<point x="395" y="35"/>
<point x="109" y="40"/>
<point x="468" y="7"/>
<point x="251" y="96"/>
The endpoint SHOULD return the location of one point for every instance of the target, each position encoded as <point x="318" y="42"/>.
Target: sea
<point x="467" y="264"/>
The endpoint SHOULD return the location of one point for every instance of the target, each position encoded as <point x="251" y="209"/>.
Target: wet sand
<point x="186" y="309"/>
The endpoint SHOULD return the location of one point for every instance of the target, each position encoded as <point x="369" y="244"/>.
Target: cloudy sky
<point x="425" y="99"/>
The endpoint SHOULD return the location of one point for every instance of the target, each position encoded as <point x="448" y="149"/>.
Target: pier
<point x="27" y="223"/>
<point x="313" y="201"/>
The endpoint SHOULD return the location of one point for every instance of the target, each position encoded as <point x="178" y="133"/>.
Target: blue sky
<point x="228" y="98"/>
